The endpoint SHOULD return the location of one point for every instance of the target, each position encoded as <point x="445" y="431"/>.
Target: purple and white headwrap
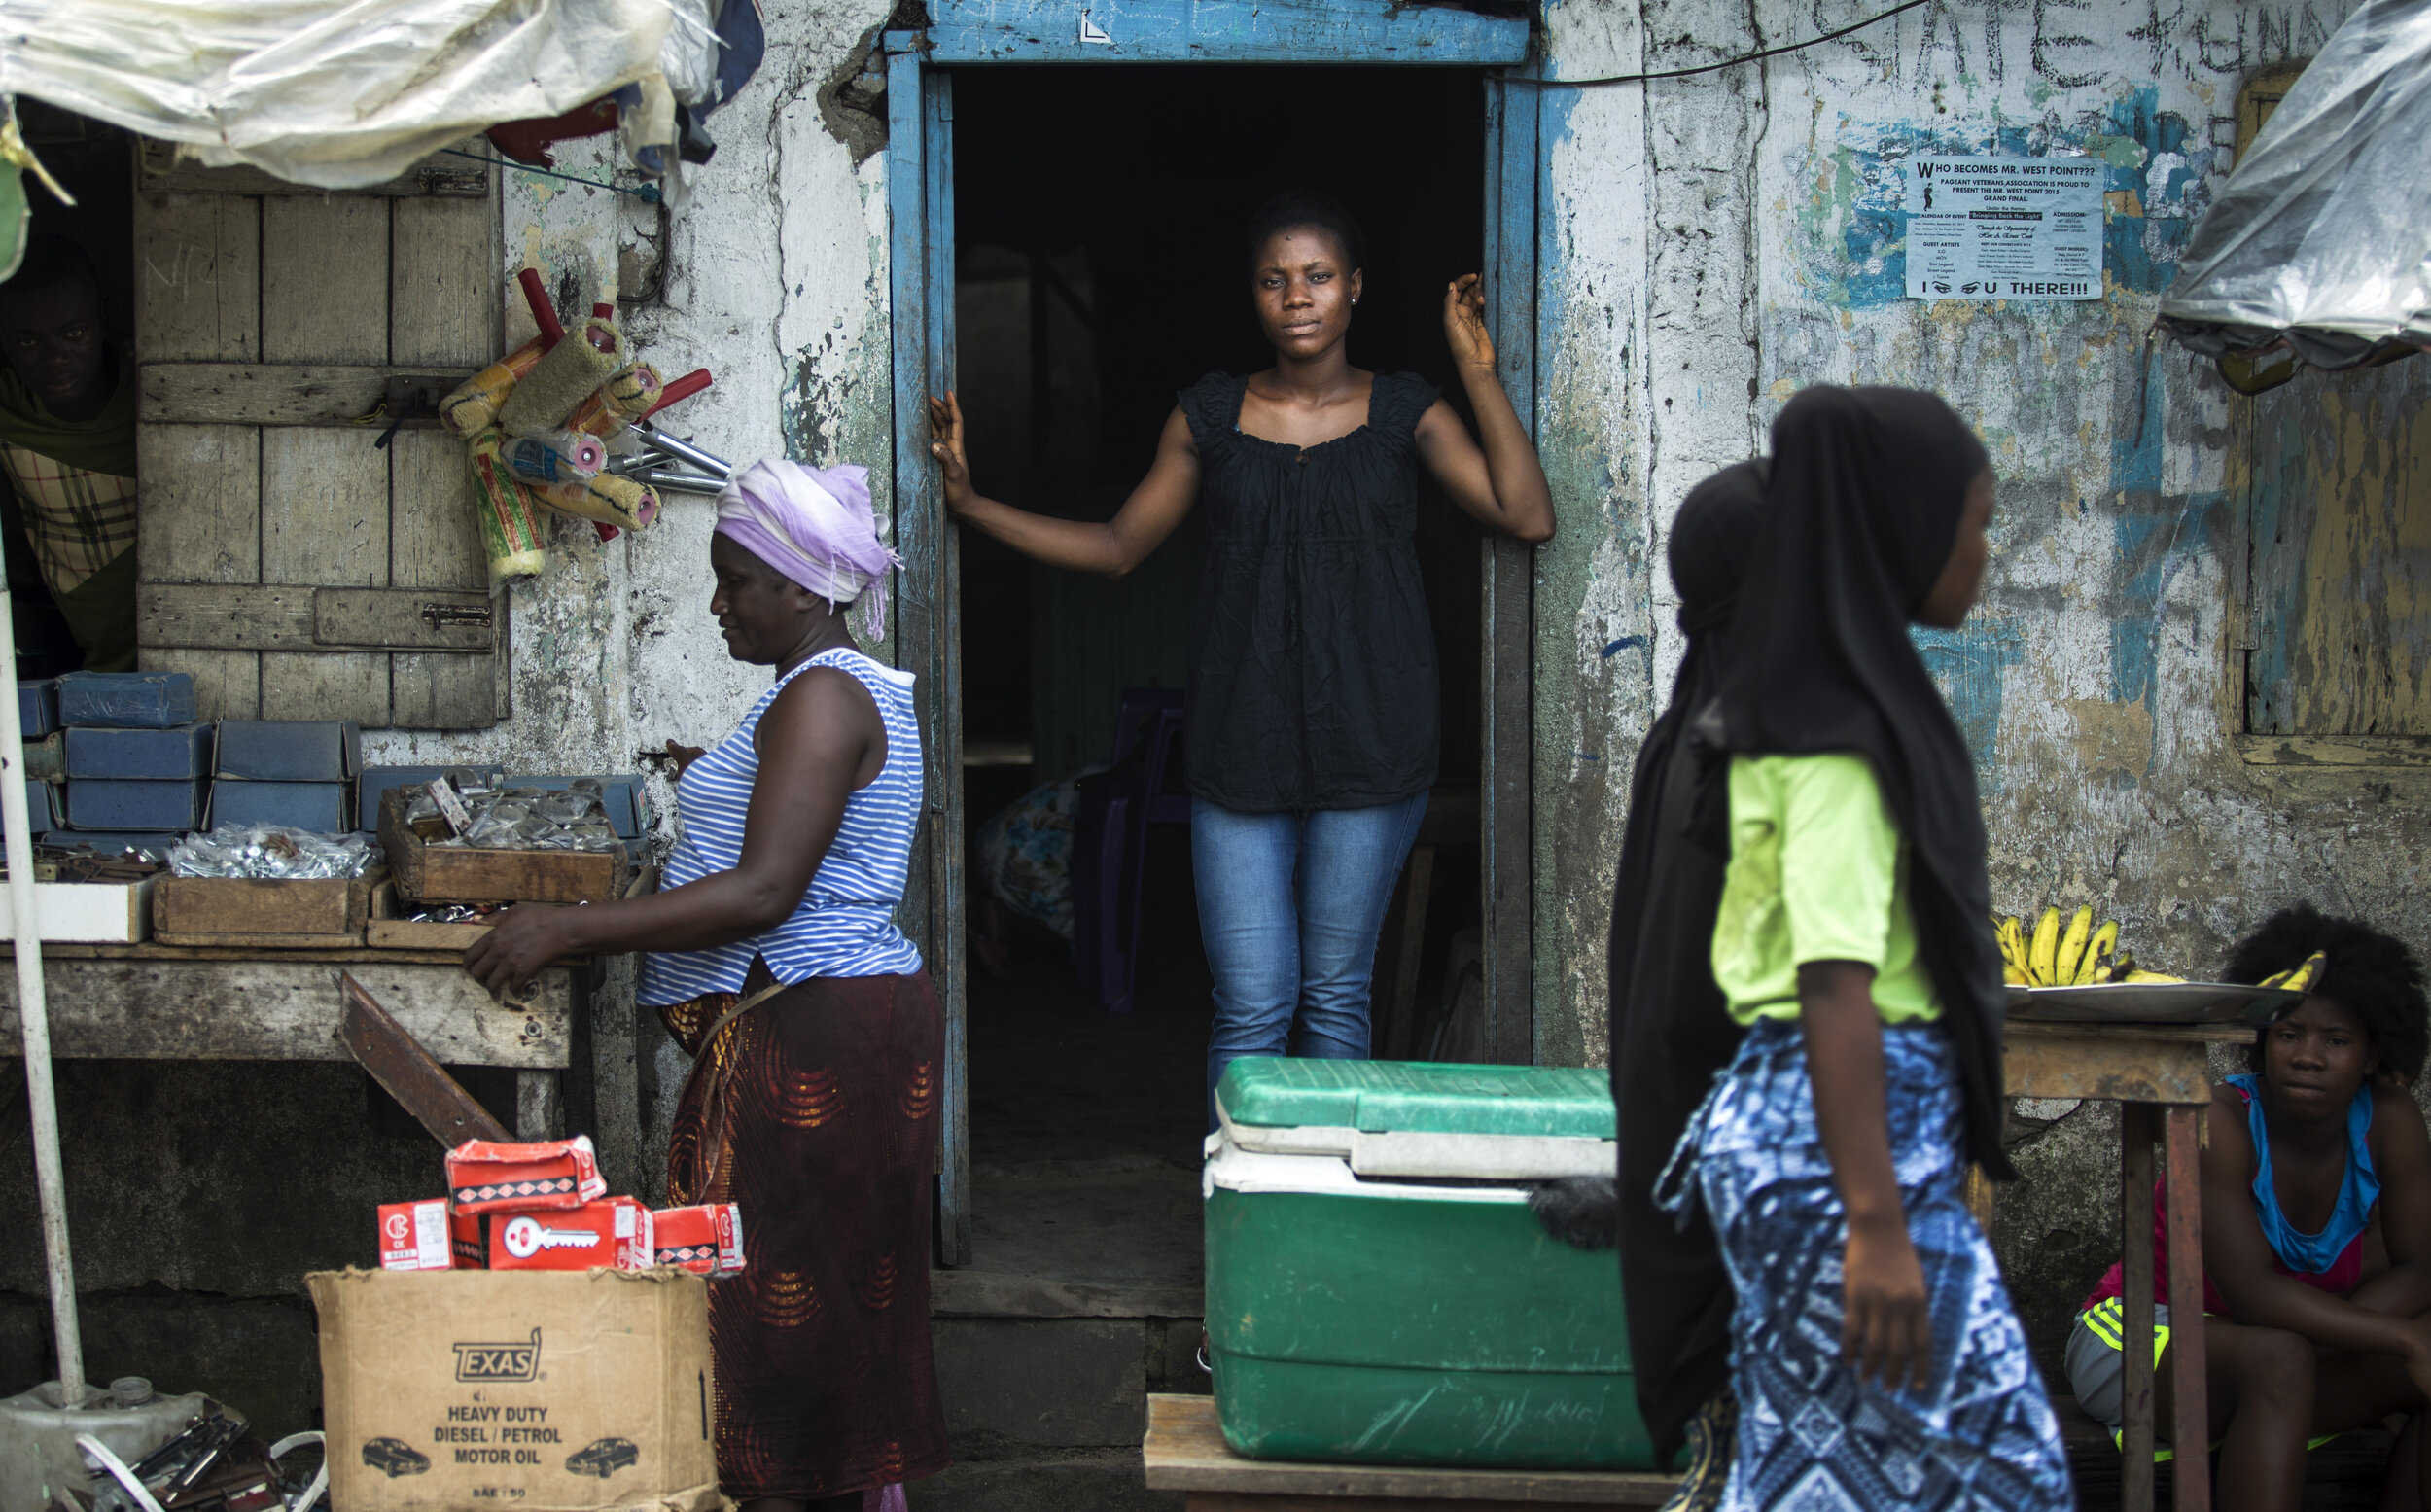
<point x="814" y="526"/>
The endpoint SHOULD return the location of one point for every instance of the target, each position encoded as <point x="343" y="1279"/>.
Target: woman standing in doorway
<point x="1310" y="736"/>
<point x="817" y="1041"/>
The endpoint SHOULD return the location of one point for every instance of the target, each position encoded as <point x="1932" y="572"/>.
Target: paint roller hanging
<point x="536" y="425"/>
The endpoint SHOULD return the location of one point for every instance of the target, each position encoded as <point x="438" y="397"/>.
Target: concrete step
<point x="1060" y="1383"/>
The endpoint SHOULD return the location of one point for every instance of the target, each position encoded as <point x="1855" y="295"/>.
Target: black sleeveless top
<point x="1313" y="667"/>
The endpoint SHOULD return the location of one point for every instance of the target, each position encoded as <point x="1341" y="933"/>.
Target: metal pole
<point x="33" y="1011"/>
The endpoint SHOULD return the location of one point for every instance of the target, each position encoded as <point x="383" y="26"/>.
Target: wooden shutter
<point x="296" y="570"/>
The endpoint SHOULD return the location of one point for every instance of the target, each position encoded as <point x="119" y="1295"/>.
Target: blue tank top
<point x="2316" y="1254"/>
<point x="845" y="925"/>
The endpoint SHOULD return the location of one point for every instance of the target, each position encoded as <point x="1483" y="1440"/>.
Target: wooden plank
<point x="1219" y="31"/>
<point x="286" y="617"/>
<point x="401" y="1066"/>
<point x="2120" y="1071"/>
<point x="159" y="171"/>
<point x="197" y="393"/>
<point x="323" y="508"/>
<point x="325" y="267"/>
<point x="1506" y="742"/>
<point x="944" y="950"/>
<point x="282" y="1009"/>
<point x="2191" y="1420"/>
<point x="197" y="278"/>
<point x="1185" y="1450"/>
<point x="326" y="685"/>
<point x="2145" y="1034"/>
<point x="227" y="685"/>
<point x="419" y="934"/>
<point x="198" y="504"/>
<point x="2135" y="1226"/>
<point x="444" y="276"/>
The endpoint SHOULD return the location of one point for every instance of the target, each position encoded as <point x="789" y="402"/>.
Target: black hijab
<point x="1670" y="1029"/>
<point x="1868" y="488"/>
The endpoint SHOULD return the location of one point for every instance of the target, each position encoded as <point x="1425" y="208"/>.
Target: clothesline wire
<point x="1728" y="63"/>
<point x="648" y="192"/>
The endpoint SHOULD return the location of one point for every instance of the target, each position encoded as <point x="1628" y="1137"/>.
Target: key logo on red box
<point x="615" y="1234"/>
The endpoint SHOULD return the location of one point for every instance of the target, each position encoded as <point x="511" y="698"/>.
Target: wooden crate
<point x="270" y="912"/>
<point x="387" y="931"/>
<point x="428" y="873"/>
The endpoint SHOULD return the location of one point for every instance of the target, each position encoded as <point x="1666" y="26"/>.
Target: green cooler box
<point x="1376" y="1288"/>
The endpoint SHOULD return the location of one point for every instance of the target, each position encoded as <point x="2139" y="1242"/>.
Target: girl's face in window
<point x="1304" y="291"/>
<point x="2316" y="1058"/>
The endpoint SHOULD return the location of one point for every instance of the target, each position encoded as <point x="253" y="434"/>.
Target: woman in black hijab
<point x="1876" y="1359"/>
<point x="1670" y="1029"/>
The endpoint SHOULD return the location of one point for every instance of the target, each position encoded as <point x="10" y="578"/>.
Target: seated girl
<point x="2316" y="1189"/>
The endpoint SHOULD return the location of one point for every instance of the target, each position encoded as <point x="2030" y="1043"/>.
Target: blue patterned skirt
<point x="1812" y="1437"/>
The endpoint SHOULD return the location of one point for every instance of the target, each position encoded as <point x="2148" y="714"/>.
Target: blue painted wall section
<point x="1967" y="666"/>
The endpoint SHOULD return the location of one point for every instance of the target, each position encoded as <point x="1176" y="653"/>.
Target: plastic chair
<point x="1109" y="842"/>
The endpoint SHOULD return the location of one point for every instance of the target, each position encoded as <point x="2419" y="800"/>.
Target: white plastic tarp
<point x="339" y="94"/>
<point x="2322" y="236"/>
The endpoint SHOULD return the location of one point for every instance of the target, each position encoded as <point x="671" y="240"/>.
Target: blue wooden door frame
<point x="920" y="202"/>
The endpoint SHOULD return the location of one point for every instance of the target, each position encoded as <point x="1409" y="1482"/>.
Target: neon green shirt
<point x="1818" y="871"/>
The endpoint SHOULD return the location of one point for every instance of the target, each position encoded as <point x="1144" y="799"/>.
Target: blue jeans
<point x="1289" y="909"/>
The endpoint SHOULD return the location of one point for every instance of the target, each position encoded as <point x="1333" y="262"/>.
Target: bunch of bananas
<point x="2300" y="979"/>
<point x="2078" y="955"/>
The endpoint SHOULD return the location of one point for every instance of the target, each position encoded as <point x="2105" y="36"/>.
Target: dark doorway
<point x="1099" y="216"/>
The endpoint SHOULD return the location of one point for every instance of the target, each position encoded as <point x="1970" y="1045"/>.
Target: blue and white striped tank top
<point x="845" y="926"/>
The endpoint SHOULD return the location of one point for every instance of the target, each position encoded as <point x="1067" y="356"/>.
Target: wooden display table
<point x="222" y="1003"/>
<point x="2159" y="1075"/>
<point x="1187" y="1451"/>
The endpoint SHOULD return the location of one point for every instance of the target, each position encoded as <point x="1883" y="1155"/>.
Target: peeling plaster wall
<point x="1718" y="243"/>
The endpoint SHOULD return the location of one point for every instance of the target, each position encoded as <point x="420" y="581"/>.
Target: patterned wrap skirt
<point x="1810" y="1436"/>
<point x="818" y="1112"/>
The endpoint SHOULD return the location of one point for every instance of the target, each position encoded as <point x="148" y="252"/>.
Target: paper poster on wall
<point x="2004" y="227"/>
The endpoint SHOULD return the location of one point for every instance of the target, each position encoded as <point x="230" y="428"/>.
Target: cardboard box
<point x="413" y="1236"/>
<point x="541" y="1391"/>
<point x="88" y="913"/>
<point x="308" y="751"/>
<point x="109" y="803"/>
<point x="551" y="1176"/>
<point x="616" y="1233"/>
<point x="126" y="700"/>
<point x="319" y="807"/>
<point x="707" y="1238"/>
<point x="38" y="707"/>
<point x="179" y="755"/>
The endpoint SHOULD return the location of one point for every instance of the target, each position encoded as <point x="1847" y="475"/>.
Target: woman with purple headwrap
<point x="817" y="1041"/>
<point x="1310" y="740"/>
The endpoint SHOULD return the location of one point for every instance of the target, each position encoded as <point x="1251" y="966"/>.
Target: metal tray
<point x="2153" y="1003"/>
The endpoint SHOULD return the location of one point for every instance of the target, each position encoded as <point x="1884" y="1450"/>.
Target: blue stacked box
<point x="297" y="773"/>
<point x="141" y="777"/>
<point x="126" y="700"/>
<point x="38" y="707"/>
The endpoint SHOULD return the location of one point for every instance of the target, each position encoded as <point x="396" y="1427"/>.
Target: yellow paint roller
<point x="608" y="499"/>
<point x="510" y="539"/>
<point x="566" y="374"/>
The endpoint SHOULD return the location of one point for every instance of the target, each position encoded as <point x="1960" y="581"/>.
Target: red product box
<point x="708" y="1239"/>
<point x="415" y="1236"/>
<point x="464" y="1240"/>
<point x="560" y="1173"/>
<point x="615" y="1234"/>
